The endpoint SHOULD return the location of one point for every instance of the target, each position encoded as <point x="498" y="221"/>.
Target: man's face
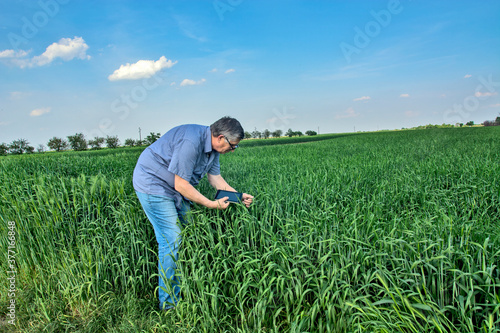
<point x="222" y="144"/>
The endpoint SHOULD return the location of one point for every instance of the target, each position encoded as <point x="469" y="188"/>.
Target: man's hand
<point x="247" y="199"/>
<point x="219" y="183"/>
<point x="221" y="204"/>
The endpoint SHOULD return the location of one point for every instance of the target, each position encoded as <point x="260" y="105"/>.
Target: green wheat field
<point x="369" y="232"/>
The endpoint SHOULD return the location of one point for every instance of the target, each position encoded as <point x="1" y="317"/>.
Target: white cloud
<point x="188" y="82"/>
<point x="495" y="105"/>
<point x="213" y="70"/>
<point x="467" y="76"/>
<point x="13" y="54"/>
<point x="485" y="94"/>
<point x="364" y="98"/>
<point x="232" y="70"/>
<point x="67" y="49"/>
<point x="349" y="113"/>
<point x="404" y="95"/>
<point x="142" y="69"/>
<point x="39" y="112"/>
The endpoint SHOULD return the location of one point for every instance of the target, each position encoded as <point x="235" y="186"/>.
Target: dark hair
<point x="229" y="127"/>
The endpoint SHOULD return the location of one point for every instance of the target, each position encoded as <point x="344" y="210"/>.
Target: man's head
<point x="226" y="134"/>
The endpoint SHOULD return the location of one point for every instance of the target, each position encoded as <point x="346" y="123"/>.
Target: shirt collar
<point x="208" y="141"/>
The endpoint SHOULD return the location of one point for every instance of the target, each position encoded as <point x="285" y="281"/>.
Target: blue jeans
<point x="163" y="214"/>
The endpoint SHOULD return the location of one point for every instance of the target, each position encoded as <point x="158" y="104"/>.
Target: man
<point x="164" y="180"/>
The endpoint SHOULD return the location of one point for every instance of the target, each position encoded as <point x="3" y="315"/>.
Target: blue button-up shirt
<point x="185" y="151"/>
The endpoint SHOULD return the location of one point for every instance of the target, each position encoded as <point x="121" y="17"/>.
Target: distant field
<point x="368" y="232"/>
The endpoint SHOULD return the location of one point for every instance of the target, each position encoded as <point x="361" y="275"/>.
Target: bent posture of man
<point x="164" y="180"/>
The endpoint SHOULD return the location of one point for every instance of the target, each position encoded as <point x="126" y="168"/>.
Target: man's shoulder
<point x="195" y="128"/>
<point x="187" y="128"/>
<point x="192" y="132"/>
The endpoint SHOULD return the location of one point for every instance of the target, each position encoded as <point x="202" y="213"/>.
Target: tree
<point x="298" y="133"/>
<point x="311" y="133"/>
<point x="77" y="142"/>
<point x="57" y="144"/>
<point x="497" y="121"/>
<point x="41" y="148"/>
<point x="20" y="146"/>
<point x="470" y="123"/>
<point x="152" y="137"/>
<point x="266" y="134"/>
<point x="290" y="133"/>
<point x="256" y="134"/>
<point x="112" y="141"/>
<point x="248" y="135"/>
<point x="129" y="142"/>
<point x="277" y="133"/>
<point x="96" y="143"/>
<point x="4" y="149"/>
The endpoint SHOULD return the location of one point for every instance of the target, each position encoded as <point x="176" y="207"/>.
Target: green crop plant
<point x="371" y="232"/>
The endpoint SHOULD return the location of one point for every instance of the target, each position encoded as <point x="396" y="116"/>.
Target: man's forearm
<point x="219" y="183"/>
<point x="190" y="192"/>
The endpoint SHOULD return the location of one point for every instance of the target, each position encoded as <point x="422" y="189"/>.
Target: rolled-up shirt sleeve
<point x="184" y="160"/>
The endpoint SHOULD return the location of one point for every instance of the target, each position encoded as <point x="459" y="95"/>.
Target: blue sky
<point x="109" y="67"/>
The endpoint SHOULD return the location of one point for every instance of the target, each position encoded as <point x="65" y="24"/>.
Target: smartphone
<point x="233" y="196"/>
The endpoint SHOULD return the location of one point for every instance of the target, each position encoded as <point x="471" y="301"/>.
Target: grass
<point x="373" y="232"/>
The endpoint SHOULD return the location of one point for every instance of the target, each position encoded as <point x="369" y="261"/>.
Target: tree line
<point x="495" y="122"/>
<point x="266" y="134"/>
<point x="76" y="142"/>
